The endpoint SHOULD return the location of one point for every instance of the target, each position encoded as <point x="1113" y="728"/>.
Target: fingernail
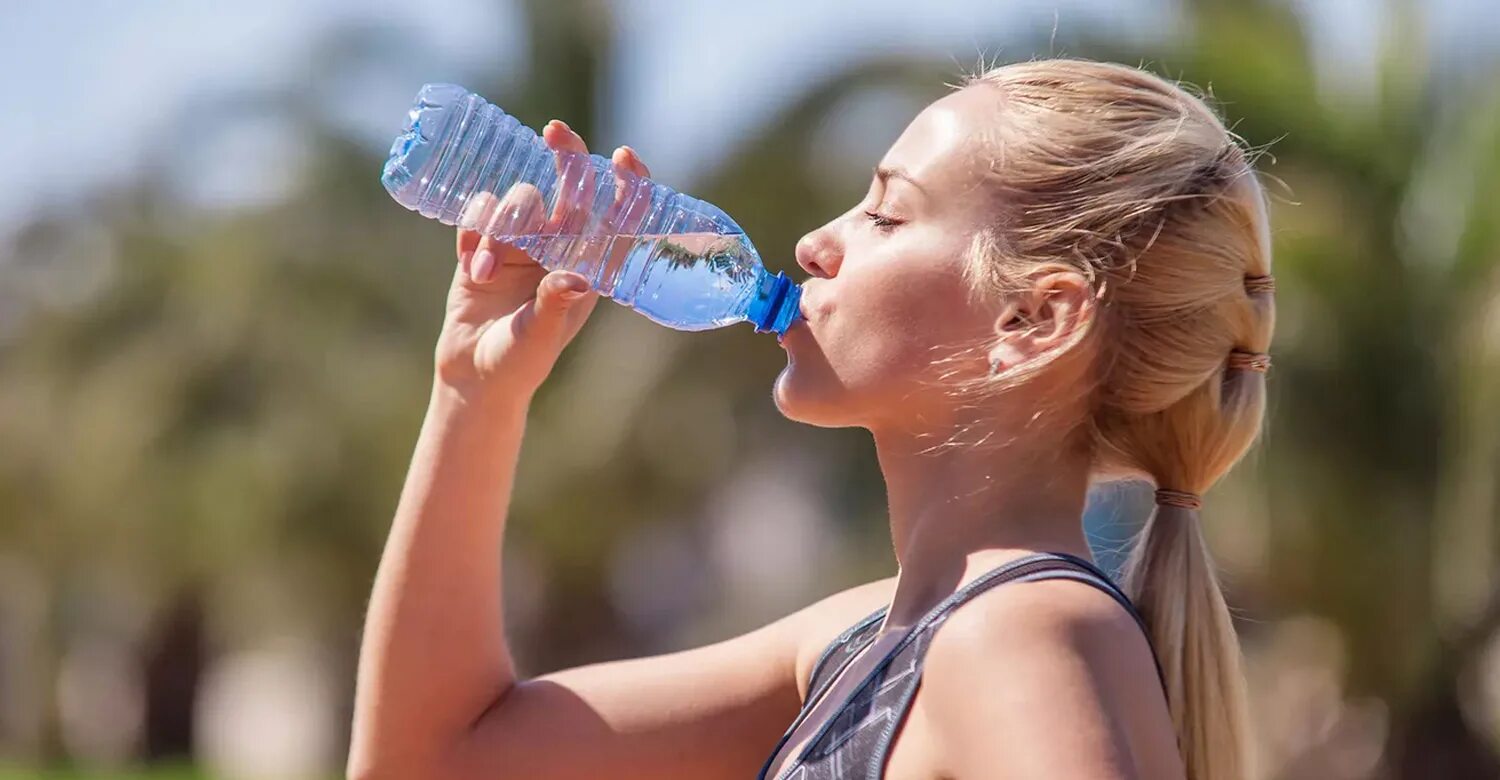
<point x="483" y="266"/>
<point x="564" y="125"/>
<point x="570" y="287"/>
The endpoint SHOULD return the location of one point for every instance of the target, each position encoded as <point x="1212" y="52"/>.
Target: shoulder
<point x="816" y="626"/>
<point x="1020" y="619"/>
<point x="1044" y="678"/>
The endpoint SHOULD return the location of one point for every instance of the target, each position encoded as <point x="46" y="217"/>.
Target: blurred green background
<point x="216" y="332"/>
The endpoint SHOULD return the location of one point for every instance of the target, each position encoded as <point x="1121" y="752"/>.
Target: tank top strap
<point x="841" y="649"/>
<point x="1028" y="568"/>
<point x="856" y="739"/>
<point x="1052" y="566"/>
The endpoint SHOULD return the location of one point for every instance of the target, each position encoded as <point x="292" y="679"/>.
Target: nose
<point x="819" y="254"/>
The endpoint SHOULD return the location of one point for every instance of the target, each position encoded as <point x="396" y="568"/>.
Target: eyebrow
<point x="897" y="173"/>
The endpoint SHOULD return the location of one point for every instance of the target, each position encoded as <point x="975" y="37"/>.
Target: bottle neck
<point x="773" y="303"/>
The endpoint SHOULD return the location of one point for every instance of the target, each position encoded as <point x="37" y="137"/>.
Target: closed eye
<point x="881" y="221"/>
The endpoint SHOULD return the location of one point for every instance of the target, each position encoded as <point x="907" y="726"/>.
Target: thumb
<point x="556" y="294"/>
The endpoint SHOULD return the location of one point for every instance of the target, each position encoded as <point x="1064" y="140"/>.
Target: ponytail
<point x="1170" y="577"/>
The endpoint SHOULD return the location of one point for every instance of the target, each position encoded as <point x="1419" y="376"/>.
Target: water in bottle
<point x="676" y="259"/>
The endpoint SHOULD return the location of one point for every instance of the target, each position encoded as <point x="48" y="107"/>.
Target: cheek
<point x="862" y="348"/>
<point x="889" y="330"/>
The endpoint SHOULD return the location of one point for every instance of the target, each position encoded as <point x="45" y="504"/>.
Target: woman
<point x="1060" y="274"/>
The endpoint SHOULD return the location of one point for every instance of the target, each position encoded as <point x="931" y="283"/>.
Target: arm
<point x="437" y="694"/>
<point x="1047" y="679"/>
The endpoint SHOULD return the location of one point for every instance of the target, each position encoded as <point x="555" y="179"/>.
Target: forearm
<point x="434" y="655"/>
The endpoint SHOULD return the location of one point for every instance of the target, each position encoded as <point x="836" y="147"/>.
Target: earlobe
<point x="1006" y="354"/>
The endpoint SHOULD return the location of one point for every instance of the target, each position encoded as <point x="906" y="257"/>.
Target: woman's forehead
<point x="941" y="146"/>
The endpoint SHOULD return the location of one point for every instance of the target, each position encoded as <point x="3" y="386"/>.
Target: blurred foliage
<point x="216" y="407"/>
<point x="155" y="773"/>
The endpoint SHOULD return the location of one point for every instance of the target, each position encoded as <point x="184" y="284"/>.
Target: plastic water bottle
<point x="676" y="259"/>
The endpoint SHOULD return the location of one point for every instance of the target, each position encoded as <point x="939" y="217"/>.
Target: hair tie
<point x="1178" y="498"/>
<point x="1245" y="360"/>
<point x="1260" y="284"/>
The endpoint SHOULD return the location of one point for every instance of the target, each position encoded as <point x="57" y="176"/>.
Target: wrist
<point x="477" y="400"/>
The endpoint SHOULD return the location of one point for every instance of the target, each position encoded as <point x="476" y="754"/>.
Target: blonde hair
<point x="1131" y="180"/>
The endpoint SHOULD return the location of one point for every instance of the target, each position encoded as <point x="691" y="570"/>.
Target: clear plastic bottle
<point x="676" y="259"/>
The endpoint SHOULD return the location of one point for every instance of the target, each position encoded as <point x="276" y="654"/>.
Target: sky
<point x="99" y="82"/>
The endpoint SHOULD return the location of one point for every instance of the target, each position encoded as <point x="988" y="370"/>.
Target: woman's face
<point x="887" y="295"/>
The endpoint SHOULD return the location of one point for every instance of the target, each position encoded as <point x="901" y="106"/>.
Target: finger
<point x="476" y="215"/>
<point x="632" y="190"/>
<point x="478" y="211"/>
<point x="468" y="241"/>
<point x="562" y="138"/>
<point x="557" y="294"/>
<point x="634" y="161"/>
<point x="575" y="177"/>
<point x="512" y="217"/>
<point x="516" y="215"/>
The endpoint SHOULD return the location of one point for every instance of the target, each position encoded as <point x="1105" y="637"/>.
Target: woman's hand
<point x="508" y="318"/>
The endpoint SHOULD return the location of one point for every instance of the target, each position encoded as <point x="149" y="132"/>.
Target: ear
<point x="1041" y="318"/>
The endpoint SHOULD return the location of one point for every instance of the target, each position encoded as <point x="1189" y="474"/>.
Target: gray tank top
<point x="856" y="739"/>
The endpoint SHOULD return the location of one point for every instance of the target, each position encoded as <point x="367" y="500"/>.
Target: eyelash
<point x="882" y="222"/>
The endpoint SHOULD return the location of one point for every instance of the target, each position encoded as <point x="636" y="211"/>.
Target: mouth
<point x="798" y="323"/>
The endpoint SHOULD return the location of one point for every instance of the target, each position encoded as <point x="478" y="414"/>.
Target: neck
<point x="960" y="510"/>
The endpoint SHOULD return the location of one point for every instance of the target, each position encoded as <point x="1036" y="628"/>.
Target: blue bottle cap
<point x="776" y="304"/>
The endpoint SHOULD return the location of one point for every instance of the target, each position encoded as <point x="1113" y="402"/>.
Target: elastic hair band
<point x="1245" y="360"/>
<point x="1178" y="498"/>
<point x="1260" y="284"/>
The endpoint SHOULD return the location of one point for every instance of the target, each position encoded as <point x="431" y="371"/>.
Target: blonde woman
<point x="1059" y="275"/>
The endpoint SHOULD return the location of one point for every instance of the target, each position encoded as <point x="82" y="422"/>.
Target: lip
<point x="798" y="323"/>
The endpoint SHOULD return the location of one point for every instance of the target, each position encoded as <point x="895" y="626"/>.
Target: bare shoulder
<point x="1037" y="618"/>
<point x="1047" y="678"/>
<point x="819" y="624"/>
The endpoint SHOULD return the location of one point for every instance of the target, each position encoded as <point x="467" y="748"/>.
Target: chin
<point x="805" y="399"/>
